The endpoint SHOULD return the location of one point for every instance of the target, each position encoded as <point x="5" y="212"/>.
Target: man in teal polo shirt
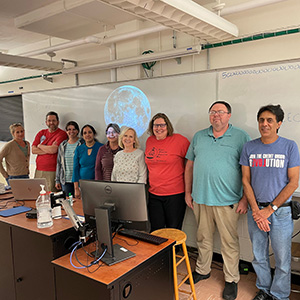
<point x="213" y="190"/>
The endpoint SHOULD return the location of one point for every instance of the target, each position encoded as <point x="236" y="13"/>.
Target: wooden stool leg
<point x="176" y="293"/>
<point x="188" y="267"/>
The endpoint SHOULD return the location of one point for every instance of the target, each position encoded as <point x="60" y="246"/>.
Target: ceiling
<point x="24" y="22"/>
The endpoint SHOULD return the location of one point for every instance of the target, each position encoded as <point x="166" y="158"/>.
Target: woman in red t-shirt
<point x="165" y="159"/>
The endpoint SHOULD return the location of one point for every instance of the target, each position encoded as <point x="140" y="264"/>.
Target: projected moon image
<point x="128" y="106"/>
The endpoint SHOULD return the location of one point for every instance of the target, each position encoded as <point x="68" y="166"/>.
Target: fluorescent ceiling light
<point x="118" y="63"/>
<point x="29" y="63"/>
<point x="180" y="15"/>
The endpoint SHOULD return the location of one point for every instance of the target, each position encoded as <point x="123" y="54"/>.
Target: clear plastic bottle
<point x="43" y="207"/>
<point x="71" y="199"/>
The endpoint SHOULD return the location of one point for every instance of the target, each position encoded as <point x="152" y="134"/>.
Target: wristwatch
<point x="274" y="206"/>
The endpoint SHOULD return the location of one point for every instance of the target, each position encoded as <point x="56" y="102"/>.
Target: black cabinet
<point x="152" y="279"/>
<point x="25" y="258"/>
<point x="7" y="282"/>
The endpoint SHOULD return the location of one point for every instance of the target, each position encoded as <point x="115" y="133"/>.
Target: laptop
<point x="27" y="189"/>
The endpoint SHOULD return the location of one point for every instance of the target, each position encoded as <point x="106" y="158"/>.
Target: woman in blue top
<point x="85" y="157"/>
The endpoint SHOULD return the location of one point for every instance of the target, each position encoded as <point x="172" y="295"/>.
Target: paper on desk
<point x="81" y="218"/>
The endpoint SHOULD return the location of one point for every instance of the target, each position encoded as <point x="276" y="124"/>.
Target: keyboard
<point x="143" y="236"/>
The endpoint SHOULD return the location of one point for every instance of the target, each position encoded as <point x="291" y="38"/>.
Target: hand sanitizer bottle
<point x="43" y="207"/>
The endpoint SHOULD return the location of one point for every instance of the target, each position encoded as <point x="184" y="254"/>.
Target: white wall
<point x="265" y="19"/>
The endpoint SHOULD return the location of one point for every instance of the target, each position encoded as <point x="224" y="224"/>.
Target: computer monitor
<point x="110" y="202"/>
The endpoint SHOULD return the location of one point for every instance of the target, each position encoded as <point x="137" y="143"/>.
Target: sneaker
<point x="261" y="295"/>
<point x="197" y="277"/>
<point x="230" y="291"/>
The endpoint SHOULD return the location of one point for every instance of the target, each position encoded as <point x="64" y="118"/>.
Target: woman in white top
<point x="129" y="164"/>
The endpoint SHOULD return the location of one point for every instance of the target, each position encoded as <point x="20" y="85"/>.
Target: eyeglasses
<point x="159" y="125"/>
<point x="111" y="133"/>
<point x="219" y="112"/>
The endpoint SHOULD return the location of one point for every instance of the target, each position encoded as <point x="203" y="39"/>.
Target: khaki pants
<point x="50" y="179"/>
<point x="225" y="219"/>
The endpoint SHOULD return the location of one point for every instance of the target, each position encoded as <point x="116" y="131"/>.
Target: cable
<point x="11" y="197"/>
<point x="295" y="234"/>
<point x="6" y="204"/>
<point x="73" y="252"/>
<point x="137" y="241"/>
<point x="20" y="201"/>
<point x="148" y="65"/>
<point x="99" y="265"/>
<point x="120" y="226"/>
<point x="71" y="255"/>
<point x="87" y="252"/>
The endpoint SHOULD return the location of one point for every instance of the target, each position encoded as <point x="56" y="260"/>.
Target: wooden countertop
<point x="109" y="274"/>
<point x="20" y="220"/>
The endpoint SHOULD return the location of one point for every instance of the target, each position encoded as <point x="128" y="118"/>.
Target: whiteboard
<point x="249" y="89"/>
<point x="184" y="98"/>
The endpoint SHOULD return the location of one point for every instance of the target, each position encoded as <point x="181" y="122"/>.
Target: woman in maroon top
<point x="106" y="153"/>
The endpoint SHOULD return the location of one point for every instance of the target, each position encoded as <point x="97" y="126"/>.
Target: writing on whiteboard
<point x="293" y="117"/>
<point x="269" y="69"/>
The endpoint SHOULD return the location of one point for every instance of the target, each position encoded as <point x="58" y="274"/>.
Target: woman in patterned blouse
<point x="129" y="164"/>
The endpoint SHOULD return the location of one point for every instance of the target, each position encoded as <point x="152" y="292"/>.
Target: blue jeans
<point x="280" y="235"/>
<point x="14" y="177"/>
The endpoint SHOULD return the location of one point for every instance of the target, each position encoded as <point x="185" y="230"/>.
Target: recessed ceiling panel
<point x="14" y="8"/>
<point x="72" y="20"/>
<point x="102" y="13"/>
<point x="65" y="25"/>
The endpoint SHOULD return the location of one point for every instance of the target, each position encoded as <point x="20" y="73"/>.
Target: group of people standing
<point x="219" y="175"/>
<point x="63" y="158"/>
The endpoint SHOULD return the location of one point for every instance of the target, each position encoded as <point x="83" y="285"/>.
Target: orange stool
<point x="180" y="238"/>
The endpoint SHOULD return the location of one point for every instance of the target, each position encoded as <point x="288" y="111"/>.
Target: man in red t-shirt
<point x="45" y="145"/>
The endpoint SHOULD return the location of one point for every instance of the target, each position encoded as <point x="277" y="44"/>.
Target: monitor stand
<point x="120" y="254"/>
<point x="114" y="253"/>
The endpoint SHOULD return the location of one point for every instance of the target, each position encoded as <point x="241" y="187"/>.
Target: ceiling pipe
<point x="101" y="41"/>
<point x="130" y="61"/>
<point x="246" y="6"/>
<point x="113" y="56"/>
<point x="86" y="40"/>
<point x="133" y="34"/>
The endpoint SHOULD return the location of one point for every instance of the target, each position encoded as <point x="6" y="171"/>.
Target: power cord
<point x="11" y="197"/>
<point x="4" y="206"/>
<point x="83" y="266"/>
